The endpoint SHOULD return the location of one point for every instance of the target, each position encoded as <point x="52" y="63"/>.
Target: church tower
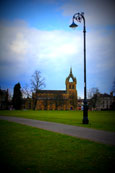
<point x="71" y="90"/>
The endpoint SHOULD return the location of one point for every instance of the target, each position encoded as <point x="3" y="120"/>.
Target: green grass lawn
<point x="28" y="149"/>
<point x="104" y="120"/>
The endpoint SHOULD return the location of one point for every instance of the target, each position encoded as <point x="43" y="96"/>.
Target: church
<point x="57" y="99"/>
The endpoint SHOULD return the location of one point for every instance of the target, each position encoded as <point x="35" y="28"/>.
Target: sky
<point x="35" y="35"/>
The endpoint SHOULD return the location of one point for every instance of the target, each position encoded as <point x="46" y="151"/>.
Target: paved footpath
<point x="76" y="131"/>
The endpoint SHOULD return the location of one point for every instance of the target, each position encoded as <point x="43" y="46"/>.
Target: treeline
<point x="19" y="94"/>
<point x="96" y="100"/>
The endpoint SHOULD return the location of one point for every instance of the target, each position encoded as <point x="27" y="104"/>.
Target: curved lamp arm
<point x="78" y="17"/>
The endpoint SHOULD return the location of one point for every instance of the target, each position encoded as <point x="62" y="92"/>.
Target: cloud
<point x="98" y="13"/>
<point x="25" y="49"/>
<point x="19" y="45"/>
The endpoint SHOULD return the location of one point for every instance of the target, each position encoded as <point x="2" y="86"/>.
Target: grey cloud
<point x="97" y="12"/>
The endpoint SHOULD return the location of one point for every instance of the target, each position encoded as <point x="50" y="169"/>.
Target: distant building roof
<point x="106" y="95"/>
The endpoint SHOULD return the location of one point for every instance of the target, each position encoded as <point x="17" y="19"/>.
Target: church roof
<point x="52" y="91"/>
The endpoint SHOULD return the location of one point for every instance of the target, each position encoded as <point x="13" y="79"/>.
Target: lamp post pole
<point x="79" y="17"/>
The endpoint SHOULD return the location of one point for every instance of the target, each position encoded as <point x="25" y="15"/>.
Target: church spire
<point x="70" y="70"/>
<point x="71" y="76"/>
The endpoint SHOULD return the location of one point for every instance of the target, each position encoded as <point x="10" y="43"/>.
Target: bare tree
<point x="26" y="91"/>
<point x="94" y="96"/>
<point x="113" y="87"/>
<point x="92" y="92"/>
<point x="37" y="82"/>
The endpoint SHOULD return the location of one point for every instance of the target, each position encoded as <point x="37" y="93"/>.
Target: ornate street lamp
<point x="79" y="17"/>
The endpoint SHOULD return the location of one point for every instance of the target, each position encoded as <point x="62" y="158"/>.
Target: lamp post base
<point x="85" y="114"/>
<point x="85" y="120"/>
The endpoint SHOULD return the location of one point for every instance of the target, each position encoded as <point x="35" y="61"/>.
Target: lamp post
<point x="79" y="17"/>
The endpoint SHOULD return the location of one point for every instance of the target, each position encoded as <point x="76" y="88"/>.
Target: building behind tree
<point x="56" y="99"/>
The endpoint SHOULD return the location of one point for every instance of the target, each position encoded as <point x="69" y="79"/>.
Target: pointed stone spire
<point x="71" y="76"/>
<point x="70" y="70"/>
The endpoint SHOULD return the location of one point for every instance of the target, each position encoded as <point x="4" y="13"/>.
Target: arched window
<point x="70" y="79"/>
